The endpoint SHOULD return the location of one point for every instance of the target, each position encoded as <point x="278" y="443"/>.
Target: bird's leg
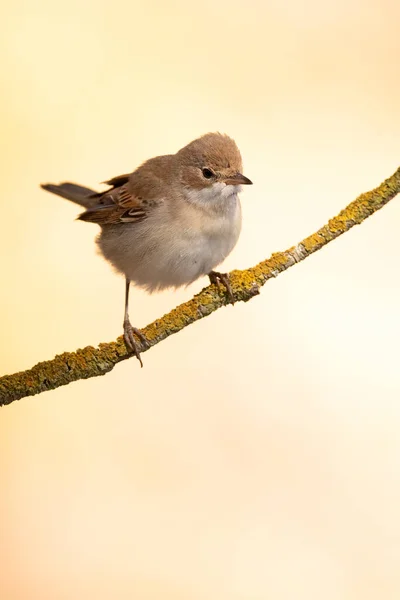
<point x="129" y="331"/>
<point x="223" y="278"/>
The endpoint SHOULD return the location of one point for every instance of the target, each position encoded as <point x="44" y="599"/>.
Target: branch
<point x="91" y="362"/>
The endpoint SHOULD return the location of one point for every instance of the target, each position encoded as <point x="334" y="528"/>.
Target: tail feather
<point x="71" y="191"/>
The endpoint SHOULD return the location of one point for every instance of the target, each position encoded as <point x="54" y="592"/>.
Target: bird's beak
<point x="238" y="179"/>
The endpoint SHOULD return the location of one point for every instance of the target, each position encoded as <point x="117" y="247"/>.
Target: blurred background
<point x="257" y="453"/>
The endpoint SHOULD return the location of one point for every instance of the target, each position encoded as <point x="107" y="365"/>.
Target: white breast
<point x="220" y="226"/>
<point x="174" y="250"/>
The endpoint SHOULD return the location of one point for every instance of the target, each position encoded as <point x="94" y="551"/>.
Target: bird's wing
<point x="119" y="204"/>
<point x="131" y="197"/>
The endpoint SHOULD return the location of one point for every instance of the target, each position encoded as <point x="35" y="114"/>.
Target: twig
<point x="90" y="362"/>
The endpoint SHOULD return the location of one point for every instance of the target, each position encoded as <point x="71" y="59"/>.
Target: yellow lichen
<point x="314" y="241"/>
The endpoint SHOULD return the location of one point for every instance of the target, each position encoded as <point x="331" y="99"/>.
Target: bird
<point x="171" y="221"/>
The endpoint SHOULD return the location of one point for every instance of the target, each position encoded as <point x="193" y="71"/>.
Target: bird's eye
<point x="207" y="173"/>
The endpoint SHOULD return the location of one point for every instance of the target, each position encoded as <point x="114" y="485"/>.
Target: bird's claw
<point x="218" y="278"/>
<point x="130" y="341"/>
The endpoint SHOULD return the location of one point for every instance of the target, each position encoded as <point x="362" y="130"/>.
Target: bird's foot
<point x="223" y="278"/>
<point x="130" y="341"/>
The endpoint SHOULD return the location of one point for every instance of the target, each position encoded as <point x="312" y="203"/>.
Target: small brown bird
<point x="171" y="221"/>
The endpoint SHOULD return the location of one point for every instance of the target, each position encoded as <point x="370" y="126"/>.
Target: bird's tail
<point x="71" y="191"/>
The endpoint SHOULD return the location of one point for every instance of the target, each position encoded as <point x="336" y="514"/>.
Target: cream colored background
<point x="257" y="454"/>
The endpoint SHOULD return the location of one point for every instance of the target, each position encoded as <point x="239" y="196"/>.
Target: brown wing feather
<point x="118" y="205"/>
<point x="130" y="197"/>
<point x="118" y="180"/>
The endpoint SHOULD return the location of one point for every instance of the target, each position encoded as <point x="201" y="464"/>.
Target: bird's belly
<point x="167" y="259"/>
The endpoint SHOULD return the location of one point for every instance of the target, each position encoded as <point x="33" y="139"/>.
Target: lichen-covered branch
<point x="90" y="362"/>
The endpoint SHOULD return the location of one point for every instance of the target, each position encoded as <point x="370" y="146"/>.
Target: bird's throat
<point x="218" y="196"/>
